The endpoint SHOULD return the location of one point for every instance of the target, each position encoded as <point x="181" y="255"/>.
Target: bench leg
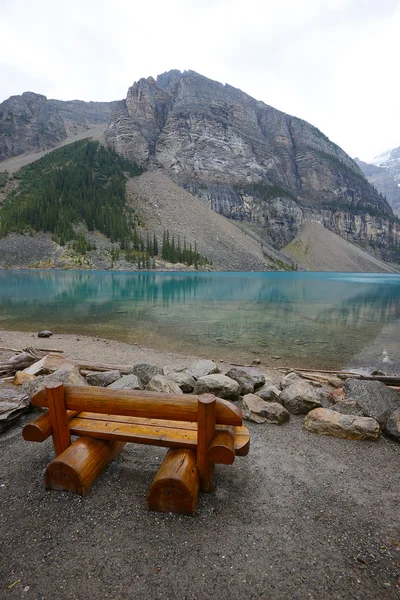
<point x="77" y="468"/>
<point x="175" y="488"/>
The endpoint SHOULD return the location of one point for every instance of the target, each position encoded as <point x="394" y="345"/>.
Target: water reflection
<point x="321" y="319"/>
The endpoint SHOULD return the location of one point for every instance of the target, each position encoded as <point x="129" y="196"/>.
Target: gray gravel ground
<point x="302" y="516"/>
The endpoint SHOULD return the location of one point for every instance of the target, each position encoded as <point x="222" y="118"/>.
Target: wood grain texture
<point x="40" y="429"/>
<point x="175" y="488"/>
<point x="141" y="404"/>
<point x="58" y="417"/>
<point x="78" y="467"/>
<point x="206" y="432"/>
<point x="222" y="446"/>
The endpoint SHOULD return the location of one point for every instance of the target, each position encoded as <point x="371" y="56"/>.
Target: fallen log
<point x="93" y="366"/>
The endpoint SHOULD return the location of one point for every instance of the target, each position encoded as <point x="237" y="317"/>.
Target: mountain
<point x="250" y="162"/>
<point x="384" y="175"/>
<point x="238" y="178"/>
<point x="31" y="122"/>
<point x="317" y="249"/>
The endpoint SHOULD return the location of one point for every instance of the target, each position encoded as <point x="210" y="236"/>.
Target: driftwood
<point x="21" y="361"/>
<point x="40" y="349"/>
<point x="12" y="405"/>
<point x="391" y="380"/>
<point x="93" y="366"/>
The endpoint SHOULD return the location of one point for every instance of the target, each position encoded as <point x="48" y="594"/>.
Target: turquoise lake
<point x="324" y="320"/>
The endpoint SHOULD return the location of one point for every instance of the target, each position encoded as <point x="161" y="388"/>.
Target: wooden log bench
<point x="200" y="431"/>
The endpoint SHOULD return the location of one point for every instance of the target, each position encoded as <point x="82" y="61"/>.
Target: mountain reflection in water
<point x="324" y="320"/>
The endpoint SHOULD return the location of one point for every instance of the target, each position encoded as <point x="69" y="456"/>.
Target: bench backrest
<point x="149" y="405"/>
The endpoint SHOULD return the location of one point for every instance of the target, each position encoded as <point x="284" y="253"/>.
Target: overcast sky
<point x="334" y="63"/>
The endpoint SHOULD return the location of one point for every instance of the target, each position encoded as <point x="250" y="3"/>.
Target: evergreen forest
<point x="85" y="183"/>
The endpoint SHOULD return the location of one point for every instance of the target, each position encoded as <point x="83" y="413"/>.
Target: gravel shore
<point x="302" y="516"/>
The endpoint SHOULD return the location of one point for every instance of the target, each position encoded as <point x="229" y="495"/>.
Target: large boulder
<point x="219" y="385"/>
<point x="185" y="381"/>
<point x="159" y="383"/>
<point x="299" y="398"/>
<point x="375" y="398"/>
<point x="145" y="372"/>
<point x="392" y="427"/>
<point x="269" y="392"/>
<point x="68" y="376"/>
<point x="128" y="382"/>
<point x="103" y="378"/>
<point x="328" y="422"/>
<point x="257" y="410"/>
<point x="249" y="379"/>
<point x="201" y="368"/>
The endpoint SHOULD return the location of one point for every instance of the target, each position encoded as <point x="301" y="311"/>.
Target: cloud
<point x="331" y="62"/>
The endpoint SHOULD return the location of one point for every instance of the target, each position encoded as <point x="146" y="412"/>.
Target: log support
<point x="221" y="450"/>
<point x="58" y="417"/>
<point x="78" y="467"/>
<point x="205" y="434"/>
<point x="175" y="488"/>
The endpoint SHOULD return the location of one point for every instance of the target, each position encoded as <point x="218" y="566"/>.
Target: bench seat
<point x="153" y="432"/>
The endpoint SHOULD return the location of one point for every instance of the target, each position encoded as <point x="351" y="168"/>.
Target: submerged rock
<point x="328" y="422"/>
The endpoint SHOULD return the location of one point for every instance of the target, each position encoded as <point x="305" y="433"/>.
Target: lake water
<point x="324" y="320"/>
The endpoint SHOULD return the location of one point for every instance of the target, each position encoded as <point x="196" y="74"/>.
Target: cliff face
<point x="249" y="161"/>
<point x="31" y="122"/>
<point x="384" y="175"/>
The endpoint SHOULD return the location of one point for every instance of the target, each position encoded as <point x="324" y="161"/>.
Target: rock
<point x="248" y="379"/>
<point x="13" y="403"/>
<point x="20" y="377"/>
<point x="103" y="378"/>
<point x="45" y="333"/>
<point x="128" y="382"/>
<point x="289" y="379"/>
<point x="168" y="370"/>
<point x="257" y="410"/>
<point x="219" y="385"/>
<point x="159" y="383"/>
<point x="71" y="377"/>
<point x="375" y="398"/>
<point x="146" y="371"/>
<point x="348" y="407"/>
<point x="184" y="380"/>
<point x="300" y="398"/>
<point x="335" y="396"/>
<point x="269" y="392"/>
<point x="328" y="422"/>
<point x="201" y="368"/>
<point x="392" y="427"/>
